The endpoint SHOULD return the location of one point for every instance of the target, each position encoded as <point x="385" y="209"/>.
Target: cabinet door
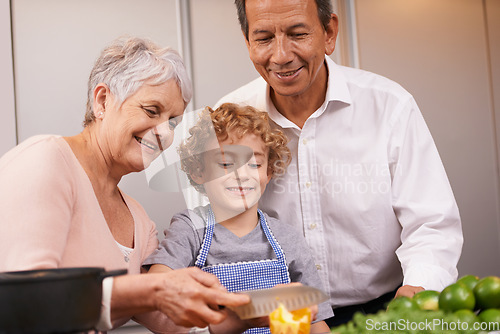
<point x="493" y="29"/>
<point x="55" y="45"/>
<point x="220" y="56"/>
<point x="8" y="123"/>
<point x="438" y="50"/>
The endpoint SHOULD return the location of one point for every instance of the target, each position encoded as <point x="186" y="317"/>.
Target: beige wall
<point x="439" y="51"/>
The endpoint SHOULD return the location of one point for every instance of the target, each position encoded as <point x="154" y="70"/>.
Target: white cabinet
<point x="8" y="123"/>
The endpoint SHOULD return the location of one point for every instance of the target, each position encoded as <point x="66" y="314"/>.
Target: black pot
<point x="62" y="300"/>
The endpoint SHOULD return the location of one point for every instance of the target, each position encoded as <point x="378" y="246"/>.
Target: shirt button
<point x="318" y="266"/>
<point x="127" y="259"/>
<point x="304" y="141"/>
<point x="308" y="184"/>
<point x="312" y="226"/>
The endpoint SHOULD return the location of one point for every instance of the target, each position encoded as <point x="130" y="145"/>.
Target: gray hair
<point x="325" y="11"/>
<point x="130" y="62"/>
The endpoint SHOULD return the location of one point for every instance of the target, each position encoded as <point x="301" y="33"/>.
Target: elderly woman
<point x="60" y="205"/>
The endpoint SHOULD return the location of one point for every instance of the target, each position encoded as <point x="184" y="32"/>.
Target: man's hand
<point x="408" y="290"/>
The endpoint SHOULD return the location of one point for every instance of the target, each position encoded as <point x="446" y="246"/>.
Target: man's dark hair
<point x="325" y="11"/>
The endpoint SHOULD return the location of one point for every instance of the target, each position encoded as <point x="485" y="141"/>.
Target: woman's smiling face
<point x="136" y="132"/>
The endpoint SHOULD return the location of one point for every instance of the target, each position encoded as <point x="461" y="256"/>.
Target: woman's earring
<point x="100" y="114"/>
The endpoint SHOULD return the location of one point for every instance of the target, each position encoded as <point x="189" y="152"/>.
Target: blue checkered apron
<point x="251" y="275"/>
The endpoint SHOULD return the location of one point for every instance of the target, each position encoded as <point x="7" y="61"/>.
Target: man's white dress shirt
<point x="367" y="187"/>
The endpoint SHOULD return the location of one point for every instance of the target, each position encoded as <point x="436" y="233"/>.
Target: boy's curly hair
<point x="234" y="119"/>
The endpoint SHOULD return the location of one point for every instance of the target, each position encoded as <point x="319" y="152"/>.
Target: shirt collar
<point x="337" y="85"/>
<point x="274" y="114"/>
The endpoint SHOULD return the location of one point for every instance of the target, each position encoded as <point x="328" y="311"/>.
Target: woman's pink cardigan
<point x="50" y="217"/>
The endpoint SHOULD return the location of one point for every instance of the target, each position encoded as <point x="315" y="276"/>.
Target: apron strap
<point x="209" y="232"/>
<point x="270" y="237"/>
<point x="207" y="240"/>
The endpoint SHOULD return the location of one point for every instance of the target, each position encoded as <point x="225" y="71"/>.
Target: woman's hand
<point x="190" y="297"/>
<point x="234" y="325"/>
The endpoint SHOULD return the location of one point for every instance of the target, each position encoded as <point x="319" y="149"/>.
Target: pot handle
<point x="110" y="273"/>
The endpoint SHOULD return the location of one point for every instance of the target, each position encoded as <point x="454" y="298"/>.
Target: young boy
<point x="230" y="157"/>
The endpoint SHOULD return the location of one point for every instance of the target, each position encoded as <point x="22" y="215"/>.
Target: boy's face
<point x="234" y="174"/>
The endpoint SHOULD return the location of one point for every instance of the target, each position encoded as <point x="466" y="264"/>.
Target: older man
<point x="366" y="184"/>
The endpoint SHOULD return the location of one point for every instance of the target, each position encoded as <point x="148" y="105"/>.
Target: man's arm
<point x="424" y="204"/>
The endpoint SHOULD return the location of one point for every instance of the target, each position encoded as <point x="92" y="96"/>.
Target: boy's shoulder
<point x="196" y="217"/>
<point x="282" y="230"/>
